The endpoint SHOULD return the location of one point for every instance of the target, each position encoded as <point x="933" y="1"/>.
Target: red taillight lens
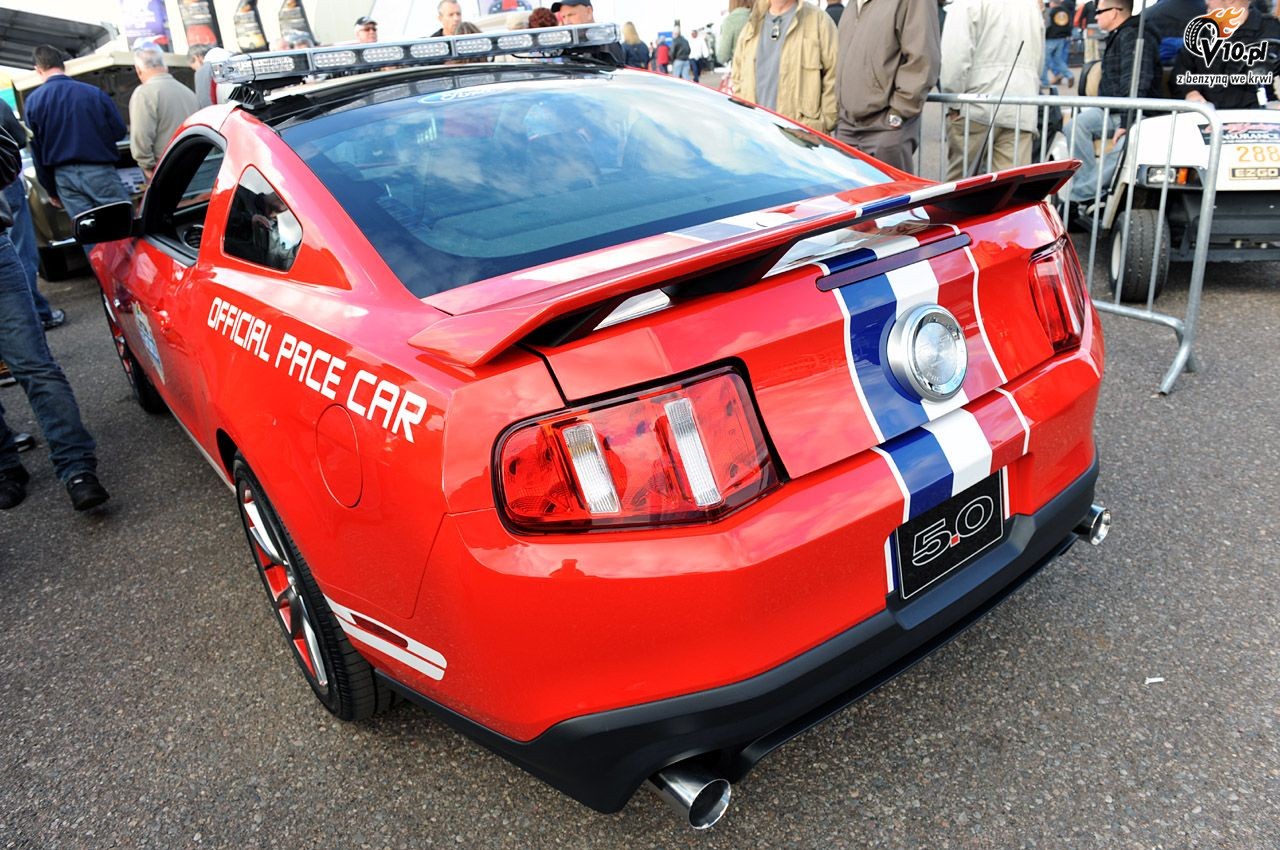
<point x="1057" y="290"/>
<point x="687" y="452"/>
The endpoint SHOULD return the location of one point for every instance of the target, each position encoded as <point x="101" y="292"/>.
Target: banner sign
<point x="146" y="21"/>
<point x="248" y="24"/>
<point x="200" y="22"/>
<point x="293" y="20"/>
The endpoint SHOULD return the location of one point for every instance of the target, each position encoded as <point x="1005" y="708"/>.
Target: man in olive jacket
<point x="785" y="60"/>
<point x="889" y="60"/>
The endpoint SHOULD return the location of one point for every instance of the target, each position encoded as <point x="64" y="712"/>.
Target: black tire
<point x="339" y="676"/>
<point x="144" y="392"/>
<point x="1137" y="259"/>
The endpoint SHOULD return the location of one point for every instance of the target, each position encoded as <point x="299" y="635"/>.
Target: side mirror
<point x="105" y="224"/>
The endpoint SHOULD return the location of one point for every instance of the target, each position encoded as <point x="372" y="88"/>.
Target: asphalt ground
<point x="1126" y="697"/>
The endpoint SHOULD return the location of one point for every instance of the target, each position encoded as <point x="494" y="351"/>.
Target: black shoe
<point x="86" y="492"/>
<point x="13" y="486"/>
<point x="56" y="320"/>
<point x="6" y="377"/>
<point x="24" y="441"/>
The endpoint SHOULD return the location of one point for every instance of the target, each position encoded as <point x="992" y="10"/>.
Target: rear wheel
<point x="144" y="392"/>
<point x="1139" y="257"/>
<point x="340" y="677"/>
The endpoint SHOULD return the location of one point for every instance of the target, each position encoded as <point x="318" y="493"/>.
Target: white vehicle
<point x="1246" y="205"/>
<point x="1173" y="150"/>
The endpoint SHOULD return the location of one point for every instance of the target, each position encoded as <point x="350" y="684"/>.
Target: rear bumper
<point x="601" y="759"/>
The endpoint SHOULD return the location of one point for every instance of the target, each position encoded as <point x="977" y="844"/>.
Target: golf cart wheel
<point x="144" y="392"/>
<point x="339" y="676"/>
<point x="1137" y="257"/>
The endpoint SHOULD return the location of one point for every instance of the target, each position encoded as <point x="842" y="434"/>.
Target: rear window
<point x="476" y="181"/>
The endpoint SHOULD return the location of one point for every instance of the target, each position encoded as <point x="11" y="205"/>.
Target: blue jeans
<point x="25" y="352"/>
<point x="1055" y="58"/>
<point x="83" y="187"/>
<point x="681" y="68"/>
<point x="1086" y="128"/>
<point x="23" y="235"/>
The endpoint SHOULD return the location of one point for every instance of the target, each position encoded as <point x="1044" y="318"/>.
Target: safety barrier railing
<point x="1110" y="207"/>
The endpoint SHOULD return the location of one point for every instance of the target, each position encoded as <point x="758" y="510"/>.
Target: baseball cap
<point x="365" y="21"/>
<point x="571" y="3"/>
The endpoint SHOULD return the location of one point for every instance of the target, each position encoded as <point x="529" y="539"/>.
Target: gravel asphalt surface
<point x="1126" y="697"/>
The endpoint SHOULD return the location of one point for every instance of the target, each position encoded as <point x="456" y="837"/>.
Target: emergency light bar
<point x="286" y="65"/>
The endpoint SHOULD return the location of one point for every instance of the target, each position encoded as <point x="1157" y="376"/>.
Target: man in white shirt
<point x="980" y="41"/>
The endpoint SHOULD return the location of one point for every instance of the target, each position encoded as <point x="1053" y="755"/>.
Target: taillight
<point x="687" y="452"/>
<point x="1058" y="292"/>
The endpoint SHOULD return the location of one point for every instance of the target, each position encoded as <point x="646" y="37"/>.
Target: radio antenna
<point x="991" y="128"/>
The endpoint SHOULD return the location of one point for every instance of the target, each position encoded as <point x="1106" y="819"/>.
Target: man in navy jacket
<point x="75" y="128"/>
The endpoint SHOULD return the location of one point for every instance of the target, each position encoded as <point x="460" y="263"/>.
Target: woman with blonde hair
<point x="636" y="51"/>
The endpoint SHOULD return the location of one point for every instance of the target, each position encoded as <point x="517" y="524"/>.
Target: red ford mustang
<point x="630" y="427"/>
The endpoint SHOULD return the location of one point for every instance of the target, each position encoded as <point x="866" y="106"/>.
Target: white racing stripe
<point x="966" y="448"/>
<point x="1026" y="426"/>
<point x="415" y="655"/>
<point x="977" y="310"/>
<point x="890" y="582"/>
<point x="897" y="476"/>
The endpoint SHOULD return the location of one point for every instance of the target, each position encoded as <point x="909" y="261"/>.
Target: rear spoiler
<point x="472" y="336"/>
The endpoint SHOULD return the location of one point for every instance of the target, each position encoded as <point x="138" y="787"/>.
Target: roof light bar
<point x="292" y="64"/>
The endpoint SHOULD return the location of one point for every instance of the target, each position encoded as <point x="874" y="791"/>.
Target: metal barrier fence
<point x="1136" y="178"/>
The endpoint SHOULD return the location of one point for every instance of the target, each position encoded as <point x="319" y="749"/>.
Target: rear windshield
<point x="475" y="181"/>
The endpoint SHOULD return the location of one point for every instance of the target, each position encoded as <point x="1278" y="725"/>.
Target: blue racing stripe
<point x="851" y="260"/>
<point x="924" y="469"/>
<point x="873" y="207"/>
<point x="872" y="310"/>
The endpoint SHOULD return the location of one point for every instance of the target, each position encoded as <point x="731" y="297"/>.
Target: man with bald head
<point x="156" y="108"/>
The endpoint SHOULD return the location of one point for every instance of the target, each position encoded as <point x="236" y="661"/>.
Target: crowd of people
<point x="860" y="71"/>
<point x="72" y="129"/>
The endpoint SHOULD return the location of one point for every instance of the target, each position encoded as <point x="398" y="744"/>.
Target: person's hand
<point x="55" y="203"/>
<point x="1195" y="97"/>
<point x="1120" y="131"/>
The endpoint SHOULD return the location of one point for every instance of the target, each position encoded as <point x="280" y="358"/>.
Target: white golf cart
<point x="1246" y="212"/>
<point x="1246" y="216"/>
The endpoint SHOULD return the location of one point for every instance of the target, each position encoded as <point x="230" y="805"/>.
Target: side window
<point x="178" y="199"/>
<point x="260" y="228"/>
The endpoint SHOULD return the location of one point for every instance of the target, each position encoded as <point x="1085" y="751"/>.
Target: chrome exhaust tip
<point x="696" y="794"/>
<point x="1095" y="525"/>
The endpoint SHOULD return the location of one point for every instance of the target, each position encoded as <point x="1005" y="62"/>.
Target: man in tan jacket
<point x="889" y="58"/>
<point x="785" y="60"/>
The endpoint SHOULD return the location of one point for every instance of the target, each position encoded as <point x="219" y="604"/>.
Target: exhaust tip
<point x="1095" y="526"/>
<point x="710" y="804"/>
<point x="698" y="796"/>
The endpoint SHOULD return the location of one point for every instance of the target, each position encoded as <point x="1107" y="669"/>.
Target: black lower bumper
<point x="601" y="759"/>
